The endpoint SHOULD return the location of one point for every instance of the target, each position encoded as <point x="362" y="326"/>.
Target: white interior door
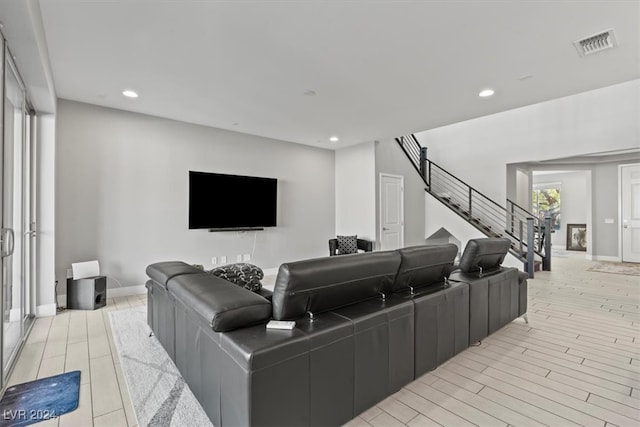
<point x="391" y="211"/>
<point x="630" y="213"/>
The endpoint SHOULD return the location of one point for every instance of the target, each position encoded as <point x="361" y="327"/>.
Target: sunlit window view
<point x="547" y="199"/>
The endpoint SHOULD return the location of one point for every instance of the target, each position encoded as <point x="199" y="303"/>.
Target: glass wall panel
<point x="12" y="214"/>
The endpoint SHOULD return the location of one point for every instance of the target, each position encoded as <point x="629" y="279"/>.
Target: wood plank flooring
<point x="577" y="362"/>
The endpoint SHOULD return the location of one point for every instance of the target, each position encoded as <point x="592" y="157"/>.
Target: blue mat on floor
<point x="39" y="400"/>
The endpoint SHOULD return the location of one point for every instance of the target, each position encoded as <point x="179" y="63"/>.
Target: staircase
<point x="492" y="219"/>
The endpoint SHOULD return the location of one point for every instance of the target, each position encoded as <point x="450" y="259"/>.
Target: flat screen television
<point x="226" y="202"/>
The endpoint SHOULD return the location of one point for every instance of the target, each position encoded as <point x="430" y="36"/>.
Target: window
<point x="546" y="198"/>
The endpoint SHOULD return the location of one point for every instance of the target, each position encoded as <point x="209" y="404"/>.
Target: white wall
<point x="574" y="206"/>
<point x="356" y="191"/>
<point x="477" y="151"/>
<point x="122" y="193"/>
<point x="391" y="159"/>
<point x="45" y="215"/>
<point x="440" y="216"/>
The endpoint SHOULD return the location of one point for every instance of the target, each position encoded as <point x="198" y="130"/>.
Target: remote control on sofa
<point x="281" y="324"/>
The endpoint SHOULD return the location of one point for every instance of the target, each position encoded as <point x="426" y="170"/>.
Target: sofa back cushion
<point x="484" y="254"/>
<point x="162" y="272"/>
<point x="223" y="305"/>
<point x="323" y="284"/>
<point x="424" y="266"/>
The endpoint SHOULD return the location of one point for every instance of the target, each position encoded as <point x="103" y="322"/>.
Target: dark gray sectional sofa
<point x="366" y="325"/>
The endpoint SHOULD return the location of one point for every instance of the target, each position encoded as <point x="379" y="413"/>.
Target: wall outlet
<point x="246" y="257"/>
<point x="223" y="259"/>
<point x="239" y="258"/>
<point x="214" y="260"/>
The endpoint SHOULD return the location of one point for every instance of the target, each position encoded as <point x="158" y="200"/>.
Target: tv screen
<point x="218" y="201"/>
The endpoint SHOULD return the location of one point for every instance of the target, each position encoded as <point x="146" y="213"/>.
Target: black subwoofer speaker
<point x="87" y="294"/>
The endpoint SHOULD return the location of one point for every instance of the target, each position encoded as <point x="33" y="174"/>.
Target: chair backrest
<point x="424" y="266"/>
<point x="484" y="254"/>
<point x="323" y="284"/>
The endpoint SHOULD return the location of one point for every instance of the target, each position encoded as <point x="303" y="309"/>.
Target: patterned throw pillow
<point x="347" y="245"/>
<point x="242" y="274"/>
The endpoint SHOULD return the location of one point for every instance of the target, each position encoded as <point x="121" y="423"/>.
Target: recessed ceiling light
<point x="334" y="139"/>
<point x="486" y="93"/>
<point x="130" y="93"/>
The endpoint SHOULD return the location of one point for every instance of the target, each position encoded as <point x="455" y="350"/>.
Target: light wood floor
<point x="577" y="362"/>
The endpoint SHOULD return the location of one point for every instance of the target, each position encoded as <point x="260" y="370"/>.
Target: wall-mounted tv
<point x="229" y="202"/>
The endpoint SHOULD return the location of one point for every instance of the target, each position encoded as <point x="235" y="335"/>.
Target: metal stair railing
<point x="522" y="228"/>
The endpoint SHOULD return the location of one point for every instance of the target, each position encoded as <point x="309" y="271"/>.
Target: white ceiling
<point x="379" y="68"/>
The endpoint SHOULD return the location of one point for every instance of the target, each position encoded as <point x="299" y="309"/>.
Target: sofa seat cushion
<point x="223" y="305"/>
<point x="424" y="266"/>
<point x="242" y="274"/>
<point x="164" y="271"/>
<point x="323" y="284"/>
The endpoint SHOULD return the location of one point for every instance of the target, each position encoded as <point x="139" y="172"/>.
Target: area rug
<point x="628" y="268"/>
<point x="43" y="399"/>
<point x="159" y="395"/>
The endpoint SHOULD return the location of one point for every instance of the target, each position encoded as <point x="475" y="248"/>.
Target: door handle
<point x="625" y="226"/>
<point x="385" y="229"/>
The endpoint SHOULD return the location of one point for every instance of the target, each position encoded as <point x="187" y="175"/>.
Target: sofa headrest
<point x="164" y="271"/>
<point x="486" y="254"/>
<point x="323" y="284"/>
<point x="424" y="266"/>
<point x="225" y="306"/>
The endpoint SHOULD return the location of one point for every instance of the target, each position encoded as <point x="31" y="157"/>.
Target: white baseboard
<point x="46" y="310"/>
<point x="124" y="291"/>
<point x="603" y="258"/>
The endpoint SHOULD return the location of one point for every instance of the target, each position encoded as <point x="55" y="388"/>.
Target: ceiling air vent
<point x="596" y="43"/>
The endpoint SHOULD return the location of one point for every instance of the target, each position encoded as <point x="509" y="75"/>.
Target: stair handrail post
<point x="513" y="214"/>
<point x="521" y="236"/>
<point x="470" y="199"/>
<point x="429" y="173"/>
<point x="546" y="261"/>
<point x="423" y="162"/>
<point x="530" y="246"/>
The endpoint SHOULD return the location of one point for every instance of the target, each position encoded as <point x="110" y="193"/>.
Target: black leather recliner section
<point x="160" y="305"/>
<point x="197" y="345"/>
<point x="522" y="291"/>
<point x="441" y="326"/>
<point x="161" y="315"/>
<point x="331" y="371"/>
<point x="424" y="266"/>
<point x="497" y="295"/>
<point x="323" y="284"/>
<point x="265" y="377"/>
<point x="504" y="298"/>
<point x="383" y="352"/>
